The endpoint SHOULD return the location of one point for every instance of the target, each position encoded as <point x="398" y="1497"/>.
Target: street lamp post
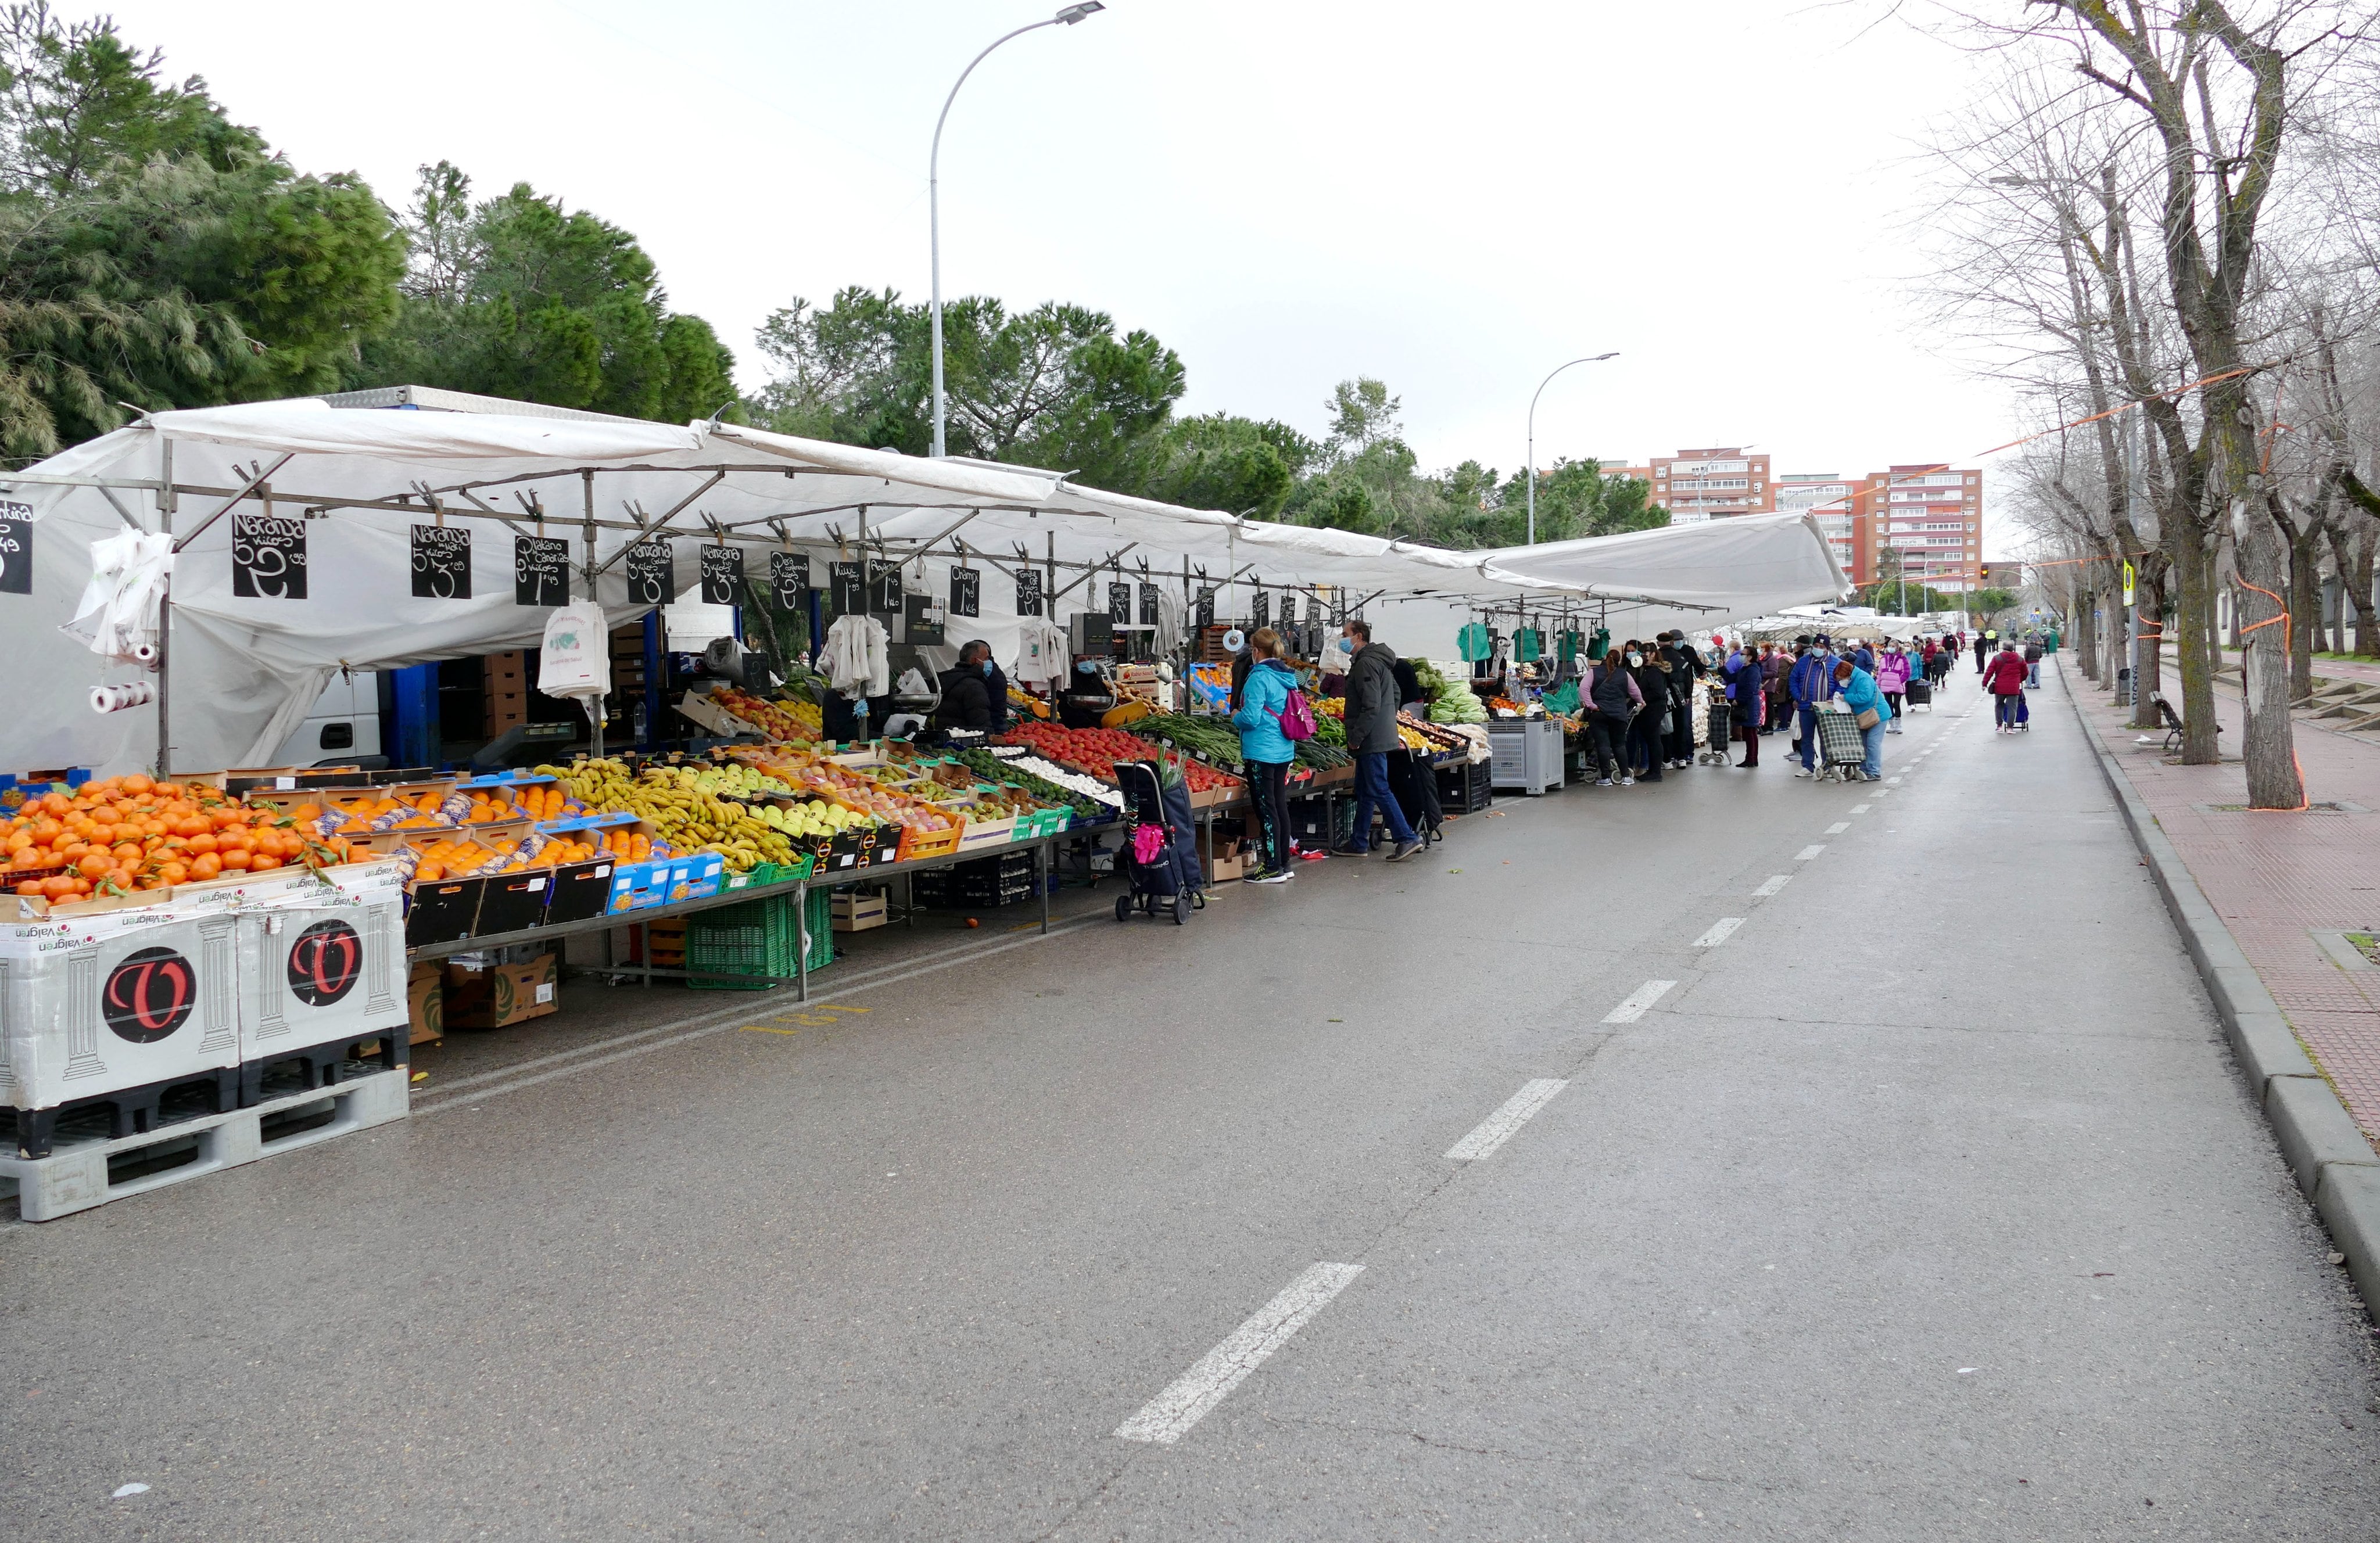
<point x="1068" y="15"/>
<point x="1529" y="472"/>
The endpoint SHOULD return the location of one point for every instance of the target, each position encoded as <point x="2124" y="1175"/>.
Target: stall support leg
<point x="802" y="939"/>
<point x="909" y="901"/>
<point x="1044" y="865"/>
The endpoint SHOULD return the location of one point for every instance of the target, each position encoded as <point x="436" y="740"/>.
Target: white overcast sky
<point x="1453" y="197"/>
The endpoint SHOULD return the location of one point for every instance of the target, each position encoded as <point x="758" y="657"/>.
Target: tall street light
<point x="1530" y="473"/>
<point x="1067" y="17"/>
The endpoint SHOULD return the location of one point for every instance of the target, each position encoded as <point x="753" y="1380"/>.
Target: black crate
<point x="1466" y="789"/>
<point x="444" y="911"/>
<point x="513" y="903"/>
<point x="581" y="892"/>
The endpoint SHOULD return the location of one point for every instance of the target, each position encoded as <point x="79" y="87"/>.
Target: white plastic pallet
<point x="75" y="1178"/>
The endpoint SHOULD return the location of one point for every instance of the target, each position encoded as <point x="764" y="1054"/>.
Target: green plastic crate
<point x="755" y="938"/>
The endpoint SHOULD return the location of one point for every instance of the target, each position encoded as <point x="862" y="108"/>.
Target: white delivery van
<point x="344" y="724"/>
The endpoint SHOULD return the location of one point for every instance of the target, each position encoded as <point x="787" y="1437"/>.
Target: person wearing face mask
<point x="1644" y="731"/>
<point x="974" y="693"/>
<point x="1869" y="710"/>
<point x="1257" y="704"/>
<point x="1371" y="719"/>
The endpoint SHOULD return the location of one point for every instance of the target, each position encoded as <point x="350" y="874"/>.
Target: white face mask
<point x="1636" y="659"/>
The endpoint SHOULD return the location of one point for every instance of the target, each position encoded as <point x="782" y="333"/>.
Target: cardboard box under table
<point x="495" y="995"/>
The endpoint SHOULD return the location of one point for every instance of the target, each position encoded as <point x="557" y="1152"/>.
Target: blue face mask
<point x="987" y="669"/>
<point x="1346" y="644"/>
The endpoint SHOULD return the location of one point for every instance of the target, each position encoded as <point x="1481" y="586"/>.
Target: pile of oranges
<point x="460" y="857"/>
<point x="131" y="833"/>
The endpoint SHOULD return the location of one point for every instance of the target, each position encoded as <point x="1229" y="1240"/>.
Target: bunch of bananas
<point x="690" y="816"/>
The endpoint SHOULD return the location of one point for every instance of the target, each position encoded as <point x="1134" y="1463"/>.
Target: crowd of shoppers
<point x="1642" y="705"/>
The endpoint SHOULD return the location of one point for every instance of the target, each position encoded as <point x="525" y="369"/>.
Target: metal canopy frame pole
<point x="165" y="508"/>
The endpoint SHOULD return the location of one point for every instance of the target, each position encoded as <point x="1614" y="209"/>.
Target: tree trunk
<point x="2083" y="628"/>
<point x="2111" y="639"/>
<point x="2367" y="635"/>
<point x="2270" y="748"/>
<point x="2194" y="576"/>
<point x="2149" y="651"/>
<point x="2306" y="612"/>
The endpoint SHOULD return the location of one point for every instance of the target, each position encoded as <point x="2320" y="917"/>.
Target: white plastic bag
<point x="118" y="615"/>
<point x="578" y="652"/>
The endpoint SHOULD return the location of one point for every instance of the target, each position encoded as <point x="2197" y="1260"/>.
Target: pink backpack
<point x="1296" y="718"/>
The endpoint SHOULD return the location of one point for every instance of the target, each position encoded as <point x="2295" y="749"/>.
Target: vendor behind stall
<point x="975" y="692"/>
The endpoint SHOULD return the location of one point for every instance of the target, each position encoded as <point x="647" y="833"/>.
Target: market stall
<point x="188" y="585"/>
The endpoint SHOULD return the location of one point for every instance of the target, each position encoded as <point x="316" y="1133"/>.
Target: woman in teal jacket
<point x="1266" y="750"/>
<point x="1857" y="690"/>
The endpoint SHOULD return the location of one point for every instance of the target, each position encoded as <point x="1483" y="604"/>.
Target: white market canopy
<point x="1683" y="575"/>
<point x="354" y="485"/>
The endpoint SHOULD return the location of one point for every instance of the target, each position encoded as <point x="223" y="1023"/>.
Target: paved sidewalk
<point x="2364" y="672"/>
<point x="2277" y="880"/>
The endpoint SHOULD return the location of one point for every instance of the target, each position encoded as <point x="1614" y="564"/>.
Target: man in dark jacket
<point x="1371" y="735"/>
<point x="974" y="693"/>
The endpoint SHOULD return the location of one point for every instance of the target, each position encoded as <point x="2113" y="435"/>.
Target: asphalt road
<point x="1924" y="1203"/>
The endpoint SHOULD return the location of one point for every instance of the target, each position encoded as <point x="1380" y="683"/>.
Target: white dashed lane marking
<point x="1719" y="932"/>
<point x="1639" y="1000"/>
<point x="1166" y="1418"/>
<point x="1498" y="1128"/>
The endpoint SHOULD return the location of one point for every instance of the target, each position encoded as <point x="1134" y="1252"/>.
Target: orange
<point x="205" y="866"/>
<point x="265" y="862"/>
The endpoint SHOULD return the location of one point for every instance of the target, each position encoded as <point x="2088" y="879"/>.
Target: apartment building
<point x="1931" y="516"/>
<point x="1717" y="483"/>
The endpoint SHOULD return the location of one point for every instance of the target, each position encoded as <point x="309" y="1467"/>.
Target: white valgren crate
<point x="126" y="998"/>
<point x="323" y="964"/>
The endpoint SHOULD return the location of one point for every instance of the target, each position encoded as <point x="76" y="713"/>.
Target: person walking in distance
<point x="2033" y="662"/>
<point x="2005" y="680"/>
<point x="1983" y="651"/>
<point x="1892" y="679"/>
<point x="1611" y="696"/>
<point x="1257" y="707"/>
<point x="1745" y="690"/>
<point x="1371" y="717"/>
<point x="1813" y="681"/>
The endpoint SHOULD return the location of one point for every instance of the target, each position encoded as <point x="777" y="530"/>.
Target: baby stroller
<point x="1160" y="868"/>
<point x="1412" y="782"/>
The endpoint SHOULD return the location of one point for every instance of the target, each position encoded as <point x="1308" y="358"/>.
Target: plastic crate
<point x="755" y="938"/>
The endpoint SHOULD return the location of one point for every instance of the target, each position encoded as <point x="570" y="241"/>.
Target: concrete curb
<point x="2325" y="1148"/>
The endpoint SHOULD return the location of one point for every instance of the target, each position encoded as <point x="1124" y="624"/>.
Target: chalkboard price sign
<point x="723" y="573"/>
<point x="268" y="557"/>
<point x="1261" y="608"/>
<point x="847" y="583"/>
<point x="789" y="576"/>
<point x="1206" y="608"/>
<point x="967" y="592"/>
<point x="884" y="589"/>
<point x="652" y="574"/>
<point x="1028" y="592"/>
<point x="441" y="562"/>
<point x="1149" y="598"/>
<point x="16" y="547"/>
<point x="541" y="570"/>
<point x="1120" y="604"/>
